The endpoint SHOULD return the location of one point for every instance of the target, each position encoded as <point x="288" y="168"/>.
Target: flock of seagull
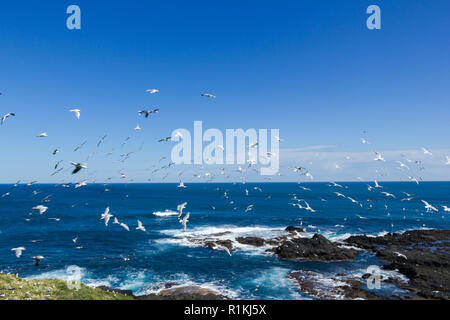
<point x="77" y="167"/>
<point x="301" y="204"/>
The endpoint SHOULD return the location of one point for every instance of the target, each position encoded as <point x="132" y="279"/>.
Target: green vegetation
<point x="14" y="288"/>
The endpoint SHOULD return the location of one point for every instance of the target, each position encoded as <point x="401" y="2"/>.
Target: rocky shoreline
<point x="423" y="256"/>
<point x="173" y="293"/>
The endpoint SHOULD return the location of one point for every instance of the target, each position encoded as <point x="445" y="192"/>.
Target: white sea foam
<point x="62" y="274"/>
<point x="274" y="277"/>
<point x="224" y="232"/>
<point x="384" y="273"/>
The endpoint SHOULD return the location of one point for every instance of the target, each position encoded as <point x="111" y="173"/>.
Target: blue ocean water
<point x="144" y="262"/>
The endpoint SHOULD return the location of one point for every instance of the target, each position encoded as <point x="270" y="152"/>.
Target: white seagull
<point x="208" y="95"/>
<point x="18" y="251"/>
<point x="429" y="207"/>
<point x="425" y="151"/>
<point x="6" y="116"/>
<point x="123" y="225"/>
<point x="81" y="184"/>
<point x="402" y="165"/>
<point x="249" y="208"/>
<point x="184" y="221"/>
<point x="152" y="91"/>
<point x="42" y="135"/>
<point x="106" y="216"/>
<point x="40" y="208"/>
<point x="364" y="141"/>
<point x="180" y="208"/>
<point x="378" y="157"/>
<point x="387" y="194"/>
<point x="140" y="226"/>
<point x="181" y="185"/>
<point x="77" y="113"/>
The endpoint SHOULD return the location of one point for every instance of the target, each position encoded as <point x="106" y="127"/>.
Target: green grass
<point x="13" y="288"/>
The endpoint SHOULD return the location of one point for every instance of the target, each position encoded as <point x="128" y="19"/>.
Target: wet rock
<point x="252" y="241"/>
<point x="315" y="248"/>
<point x="421" y="255"/>
<point x="294" y="229"/>
<point x="331" y="288"/>
<point x="184" y="293"/>
<point x="213" y="244"/>
<point x="220" y="234"/>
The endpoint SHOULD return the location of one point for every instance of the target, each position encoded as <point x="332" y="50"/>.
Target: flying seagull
<point x="429" y="207"/>
<point x="40" y="208"/>
<point x="208" y="95"/>
<point x="147" y="112"/>
<point x="425" y="151"/>
<point x="184" y="221"/>
<point x="6" y="116"/>
<point x="398" y="254"/>
<point x="42" y="135"/>
<point x="180" y="208"/>
<point x="38" y="259"/>
<point x="151" y="91"/>
<point x="165" y="139"/>
<point x="78" y="167"/>
<point x="80" y="146"/>
<point x="140" y="226"/>
<point x="106" y="216"/>
<point x="81" y="184"/>
<point x="77" y="112"/>
<point x="18" y="251"/>
<point x="181" y="185"/>
<point x="387" y="194"/>
<point x="123" y="225"/>
<point x="377" y="185"/>
<point x="378" y="157"/>
<point x="402" y="165"/>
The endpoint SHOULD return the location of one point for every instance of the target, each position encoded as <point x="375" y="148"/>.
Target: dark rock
<point x="421" y="255"/>
<point x="294" y="229"/>
<point x="184" y="293"/>
<point x="318" y="286"/>
<point x="316" y="248"/>
<point x="212" y="244"/>
<point x="252" y="241"/>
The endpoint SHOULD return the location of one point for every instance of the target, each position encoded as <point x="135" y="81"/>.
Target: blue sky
<point x="310" y="68"/>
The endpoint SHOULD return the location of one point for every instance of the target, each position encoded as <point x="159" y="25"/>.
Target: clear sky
<point x="309" y="68"/>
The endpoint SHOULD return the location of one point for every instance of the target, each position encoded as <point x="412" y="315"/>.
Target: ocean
<point x="145" y="262"/>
